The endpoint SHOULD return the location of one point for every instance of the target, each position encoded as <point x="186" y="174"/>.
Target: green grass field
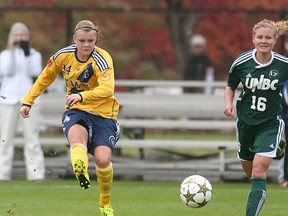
<point x="64" y="197"/>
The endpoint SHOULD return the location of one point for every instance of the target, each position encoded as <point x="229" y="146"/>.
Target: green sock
<point x="256" y="197"/>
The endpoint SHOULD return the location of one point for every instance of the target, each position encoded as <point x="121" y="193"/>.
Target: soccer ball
<point x="196" y="191"/>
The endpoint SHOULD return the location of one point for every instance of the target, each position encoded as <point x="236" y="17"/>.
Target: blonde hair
<point x="280" y="27"/>
<point x="87" y="26"/>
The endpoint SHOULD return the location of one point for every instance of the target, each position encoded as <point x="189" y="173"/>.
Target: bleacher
<point x="141" y="112"/>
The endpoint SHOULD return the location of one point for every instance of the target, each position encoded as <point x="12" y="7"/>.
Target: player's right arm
<point x="229" y="107"/>
<point x="232" y="83"/>
<point x="44" y="80"/>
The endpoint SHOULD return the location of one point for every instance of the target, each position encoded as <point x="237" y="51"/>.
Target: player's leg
<point x="75" y="129"/>
<point x="104" y="173"/>
<point x="247" y="167"/>
<point x="257" y="195"/>
<point x="265" y="146"/>
<point x="245" y="139"/>
<point x="9" y="115"/>
<point x="78" y="138"/>
<point x="34" y="157"/>
<point x="106" y="134"/>
<point x="260" y="166"/>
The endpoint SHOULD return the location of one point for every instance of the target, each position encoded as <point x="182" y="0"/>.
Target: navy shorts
<point x="101" y="131"/>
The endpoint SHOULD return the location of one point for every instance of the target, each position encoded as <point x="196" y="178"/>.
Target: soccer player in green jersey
<point x="262" y="73"/>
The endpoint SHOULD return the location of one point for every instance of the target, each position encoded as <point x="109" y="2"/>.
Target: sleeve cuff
<point x="81" y="98"/>
<point x="26" y="105"/>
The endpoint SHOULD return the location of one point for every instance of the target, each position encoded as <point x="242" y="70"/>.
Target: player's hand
<point x="229" y="111"/>
<point x="24" y="111"/>
<point x="72" y="99"/>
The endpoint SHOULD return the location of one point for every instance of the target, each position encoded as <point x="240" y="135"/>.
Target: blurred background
<point x="148" y="39"/>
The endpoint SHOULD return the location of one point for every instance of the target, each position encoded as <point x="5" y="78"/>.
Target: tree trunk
<point x="177" y="20"/>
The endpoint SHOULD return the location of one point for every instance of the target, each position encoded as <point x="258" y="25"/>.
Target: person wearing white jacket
<point x="19" y="63"/>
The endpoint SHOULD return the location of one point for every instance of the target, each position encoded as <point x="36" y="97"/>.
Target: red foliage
<point x="223" y="34"/>
<point x="158" y="47"/>
<point x="28" y="3"/>
<point x="236" y="4"/>
<point x="227" y="32"/>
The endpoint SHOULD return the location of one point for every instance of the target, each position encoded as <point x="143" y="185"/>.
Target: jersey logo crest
<point x="273" y="74"/>
<point x="86" y="74"/>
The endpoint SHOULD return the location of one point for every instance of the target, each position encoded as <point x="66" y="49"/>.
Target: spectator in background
<point x="18" y="65"/>
<point x="199" y="66"/>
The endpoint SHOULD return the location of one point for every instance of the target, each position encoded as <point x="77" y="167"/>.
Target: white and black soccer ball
<point x="196" y="191"/>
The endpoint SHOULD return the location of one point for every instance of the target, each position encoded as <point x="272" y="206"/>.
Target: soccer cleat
<point x="81" y="173"/>
<point x="106" y="210"/>
<point x="280" y="150"/>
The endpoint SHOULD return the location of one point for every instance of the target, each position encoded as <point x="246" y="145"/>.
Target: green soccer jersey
<point x="260" y="99"/>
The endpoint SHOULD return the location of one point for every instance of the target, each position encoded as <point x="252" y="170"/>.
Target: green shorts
<point x="260" y="139"/>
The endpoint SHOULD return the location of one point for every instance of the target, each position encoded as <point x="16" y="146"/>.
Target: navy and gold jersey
<point x="93" y="80"/>
<point x="260" y="99"/>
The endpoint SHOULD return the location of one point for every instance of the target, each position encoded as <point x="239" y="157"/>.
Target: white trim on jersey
<point x="280" y="57"/>
<point x="100" y="61"/>
<point x="70" y="48"/>
<point x="241" y="59"/>
<point x="260" y="65"/>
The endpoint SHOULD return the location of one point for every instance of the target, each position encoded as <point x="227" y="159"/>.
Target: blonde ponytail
<point x="282" y="27"/>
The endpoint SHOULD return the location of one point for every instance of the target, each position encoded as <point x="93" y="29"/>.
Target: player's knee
<point x="258" y="172"/>
<point x="102" y="155"/>
<point x="103" y="161"/>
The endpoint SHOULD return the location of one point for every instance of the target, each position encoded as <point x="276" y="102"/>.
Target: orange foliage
<point x="145" y="37"/>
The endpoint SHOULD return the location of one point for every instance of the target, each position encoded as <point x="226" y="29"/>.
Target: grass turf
<point x="64" y="197"/>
